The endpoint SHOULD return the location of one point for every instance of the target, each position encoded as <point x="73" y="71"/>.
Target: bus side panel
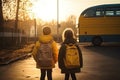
<point x="105" y="38"/>
<point x="107" y="28"/>
<point x="85" y="38"/>
<point x="111" y="38"/>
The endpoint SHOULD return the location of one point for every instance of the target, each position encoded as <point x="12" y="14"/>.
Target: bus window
<point x="89" y="13"/>
<point x="118" y="13"/>
<point x="99" y="13"/>
<point x="109" y="13"/>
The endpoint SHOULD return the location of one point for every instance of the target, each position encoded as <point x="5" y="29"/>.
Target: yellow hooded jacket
<point x="46" y="39"/>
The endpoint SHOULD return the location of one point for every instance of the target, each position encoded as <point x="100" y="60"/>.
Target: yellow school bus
<point x="100" y="23"/>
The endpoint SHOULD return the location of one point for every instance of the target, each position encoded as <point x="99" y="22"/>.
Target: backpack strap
<point x="46" y="42"/>
<point x="50" y="41"/>
<point x="70" y="44"/>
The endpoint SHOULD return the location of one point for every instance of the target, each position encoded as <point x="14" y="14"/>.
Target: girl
<point x="69" y="39"/>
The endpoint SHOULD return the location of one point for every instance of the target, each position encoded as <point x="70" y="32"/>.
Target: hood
<point x="45" y="38"/>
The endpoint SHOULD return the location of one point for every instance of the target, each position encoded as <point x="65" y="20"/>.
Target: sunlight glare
<point x="45" y="9"/>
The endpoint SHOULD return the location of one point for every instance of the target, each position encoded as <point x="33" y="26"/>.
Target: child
<point x="45" y="38"/>
<point x="69" y="39"/>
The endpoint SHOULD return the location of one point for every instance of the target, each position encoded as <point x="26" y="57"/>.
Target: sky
<point x="47" y="9"/>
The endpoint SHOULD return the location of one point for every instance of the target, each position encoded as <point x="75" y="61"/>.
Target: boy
<point x="43" y="39"/>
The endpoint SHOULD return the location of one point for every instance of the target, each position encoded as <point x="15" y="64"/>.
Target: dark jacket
<point x="61" y="56"/>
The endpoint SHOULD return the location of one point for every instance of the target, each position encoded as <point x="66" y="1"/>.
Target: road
<point x="100" y="63"/>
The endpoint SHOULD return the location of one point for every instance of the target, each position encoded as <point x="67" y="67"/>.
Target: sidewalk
<point x="9" y="55"/>
<point x="25" y="70"/>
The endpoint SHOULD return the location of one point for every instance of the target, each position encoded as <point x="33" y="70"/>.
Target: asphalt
<point x="99" y="64"/>
<point x="25" y="70"/>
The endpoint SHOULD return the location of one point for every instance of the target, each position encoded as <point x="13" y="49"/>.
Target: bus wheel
<point x="97" y="41"/>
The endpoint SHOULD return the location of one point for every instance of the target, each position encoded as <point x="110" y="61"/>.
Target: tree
<point x="8" y="11"/>
<point x="1" y="14"/>
<point x="69" y="23"/>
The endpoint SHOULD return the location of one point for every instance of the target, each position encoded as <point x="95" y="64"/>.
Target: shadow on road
<point x="106" y="50"/>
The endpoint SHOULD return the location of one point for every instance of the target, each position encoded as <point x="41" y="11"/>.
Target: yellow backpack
<point x="72" y="56"/>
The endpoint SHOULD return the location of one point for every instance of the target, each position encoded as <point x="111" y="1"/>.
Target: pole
<point x="58" y="20"/>
<point x="16" y="22"/>
<point x="35" y="29"/>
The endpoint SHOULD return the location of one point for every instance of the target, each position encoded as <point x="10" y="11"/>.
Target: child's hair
<point x="46" y="30"/>
<point x="68" y="33"/>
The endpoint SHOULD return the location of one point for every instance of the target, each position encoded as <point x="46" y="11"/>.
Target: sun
<point x="45" y="9"/>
